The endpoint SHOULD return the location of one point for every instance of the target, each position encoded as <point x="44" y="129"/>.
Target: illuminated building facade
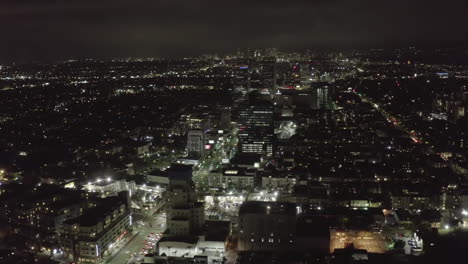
<point x="195" y="143"/>
<point x="185" y="215"/>
<point x="90" y="237"/>
<point x="256" y="129"/>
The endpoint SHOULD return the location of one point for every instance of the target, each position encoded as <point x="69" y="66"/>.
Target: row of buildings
<point x="79" y="225"/>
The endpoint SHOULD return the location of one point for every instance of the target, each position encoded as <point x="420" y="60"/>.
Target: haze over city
<point x="233" y="132"/>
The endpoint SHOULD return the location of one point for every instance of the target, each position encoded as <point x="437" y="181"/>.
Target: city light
<point x="256" y="144"/>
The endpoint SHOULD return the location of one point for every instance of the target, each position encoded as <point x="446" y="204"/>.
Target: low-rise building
<point x="277" y="181"/>
<point x="239" y="179"/>
<point x="40" y="210"/>
<point x="277" y="226"/>
<point x="109" y="187"/>
<point x="158" y="177"/>
<point x="89" y="237"/>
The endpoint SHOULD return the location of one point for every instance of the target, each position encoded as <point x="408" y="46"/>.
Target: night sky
<point x="54" y="29"/>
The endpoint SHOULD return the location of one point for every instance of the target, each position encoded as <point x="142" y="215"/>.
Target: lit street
<point x="131" y="252"/>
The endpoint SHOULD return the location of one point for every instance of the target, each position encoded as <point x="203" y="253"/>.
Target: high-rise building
<point x="185" y="215"/>
<point x="306" y="74"/>
<point x="321" y="98"/>
<point x="242" y="75"/>
<point x="195" y="143"/>
<point x="256" y="130"/>
<point x="225" y="119"/>
<point x="268" y="72"/>
<point x="271" y="52"/>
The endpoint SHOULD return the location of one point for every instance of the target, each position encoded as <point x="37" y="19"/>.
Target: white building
<point x="239" y="179"/>
<point x="185" y="215"/>
<point x="195" y="143"/>
<point x="109" y="187"/>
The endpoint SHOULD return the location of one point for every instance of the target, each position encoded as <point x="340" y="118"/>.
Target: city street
<point x="131" y="252"/>
<point x="213" y="160"/>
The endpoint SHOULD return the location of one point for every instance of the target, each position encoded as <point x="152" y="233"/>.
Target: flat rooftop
<point x="260" y="207"/>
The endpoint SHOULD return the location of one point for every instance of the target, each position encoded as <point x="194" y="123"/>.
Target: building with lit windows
<point x="188" y="236"/>
<point x="239" y="179"/>
<point x="90" y="237"/>
<point x="38" y="212"/>
<point x="185" y="215"/>
<point x="268" y="73"/>
<point x="256" y="130"/>
<point x="277" y="226"/>
<point x="195" y="143"/>
<point x="109" y="187"/>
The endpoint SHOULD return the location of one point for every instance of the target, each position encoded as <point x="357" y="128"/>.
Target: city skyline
<point x="233" y="132"/>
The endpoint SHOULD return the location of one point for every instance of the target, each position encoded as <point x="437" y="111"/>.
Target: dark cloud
<point x="42" y="29"/>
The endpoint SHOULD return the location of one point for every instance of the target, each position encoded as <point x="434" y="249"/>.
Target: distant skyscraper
<point x="225" y="119"/>
<point x="321" y="98"/>
<point x="271" y="52"/>
<point x="242" y="76"/>
<point x="268" y="72"/>
<point x="306" y="74"/>
<point x="195" y="143"/>
<point x="256" y="129"/>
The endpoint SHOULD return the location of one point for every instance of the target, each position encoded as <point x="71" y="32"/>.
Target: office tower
<point x="306" y="75"/>
<point x="185" y="215"/>
<point x="242" y="76"/>
<point x="321" y="98"/>
<point x="255" y="124"/>
<point x="295" y="77"/>
<point x="268" y="73"/>
<point x="195" y="143"/>
<point x="225" y="119"/>
<point x="271" y="52"/>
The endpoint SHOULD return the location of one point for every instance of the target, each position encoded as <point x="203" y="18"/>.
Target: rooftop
<point x="260" y="207"/>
